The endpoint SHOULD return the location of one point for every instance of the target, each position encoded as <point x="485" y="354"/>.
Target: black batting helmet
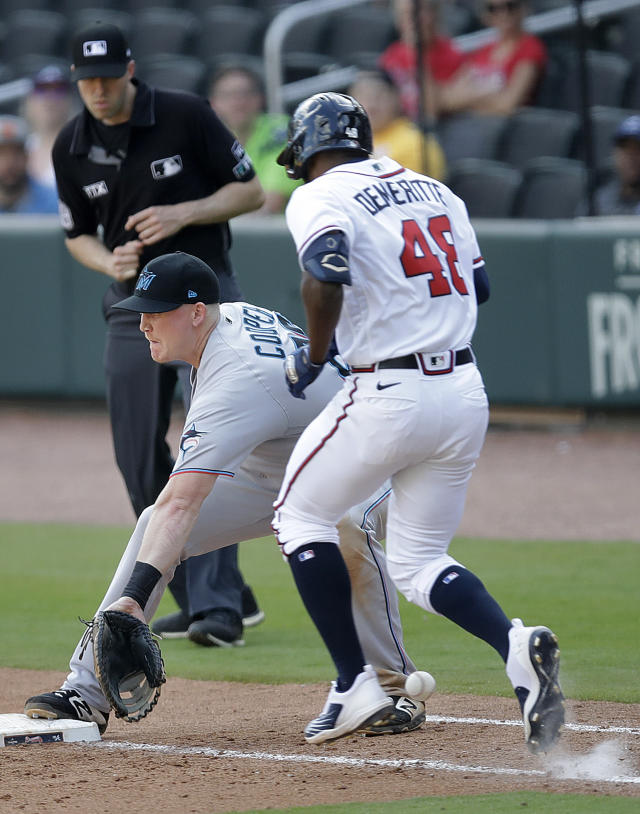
<point x="325" y="121"/>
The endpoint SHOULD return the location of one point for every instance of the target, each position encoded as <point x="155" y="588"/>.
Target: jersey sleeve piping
<point x="313" y="236"/>
<point x="195" y="470"/>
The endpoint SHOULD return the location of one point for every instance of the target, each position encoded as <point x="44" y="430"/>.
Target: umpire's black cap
<point x="100" y="50"/>
<point x="172" y="280"/>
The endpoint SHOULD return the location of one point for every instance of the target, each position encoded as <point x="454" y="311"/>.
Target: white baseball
<point x="420" y="685"/>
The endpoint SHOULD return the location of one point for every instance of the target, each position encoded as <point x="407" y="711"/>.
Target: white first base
<point x="18" y="729"/>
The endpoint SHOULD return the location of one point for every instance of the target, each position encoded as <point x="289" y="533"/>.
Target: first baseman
<point x="238" y="435"/>
<point x="391" y="264"/>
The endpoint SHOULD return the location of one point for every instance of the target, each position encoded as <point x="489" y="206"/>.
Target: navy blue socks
<point x="324" y="586"/>
<point x="460" y="596"/>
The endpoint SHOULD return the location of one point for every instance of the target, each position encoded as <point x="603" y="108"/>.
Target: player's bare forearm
<point x="174" y="515"/>
<point x="120" y="264"/>
<point x="156" y="223"/>
<point x="322" y="303"/>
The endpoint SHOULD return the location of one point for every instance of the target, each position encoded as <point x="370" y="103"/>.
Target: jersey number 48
<point x="418" y="258"/>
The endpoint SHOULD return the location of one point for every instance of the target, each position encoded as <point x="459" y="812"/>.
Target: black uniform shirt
<point x="177" y="150"/>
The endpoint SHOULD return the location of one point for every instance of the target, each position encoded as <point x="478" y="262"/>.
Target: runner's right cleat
<point x="533" y="664"/>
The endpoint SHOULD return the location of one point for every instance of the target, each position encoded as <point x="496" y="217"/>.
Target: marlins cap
<point x="100" y="50"/>
<point x="172" y="280"/>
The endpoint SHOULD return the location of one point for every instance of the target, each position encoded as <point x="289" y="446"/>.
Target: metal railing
<point x="281" y="94"/>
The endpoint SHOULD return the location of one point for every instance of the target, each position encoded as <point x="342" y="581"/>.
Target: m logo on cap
<point x="94" y="48"/>
<point x="144" y="280"/>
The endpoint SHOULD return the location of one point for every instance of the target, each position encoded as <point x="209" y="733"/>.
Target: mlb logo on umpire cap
<point x="172" y="280"/>
<point x="100" y="50"/>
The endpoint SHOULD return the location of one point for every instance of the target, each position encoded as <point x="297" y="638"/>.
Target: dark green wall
<point x="562" y="326"/>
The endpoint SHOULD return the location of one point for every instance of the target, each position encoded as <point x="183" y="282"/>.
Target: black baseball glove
<point x="128" y="663"/>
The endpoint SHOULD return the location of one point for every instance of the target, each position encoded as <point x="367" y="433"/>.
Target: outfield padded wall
<point x="562" y="326"/>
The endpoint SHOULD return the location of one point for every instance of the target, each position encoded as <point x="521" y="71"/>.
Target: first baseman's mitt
<point x="128" y="663"/>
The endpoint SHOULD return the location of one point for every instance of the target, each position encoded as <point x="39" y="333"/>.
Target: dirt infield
<point x="216" y="747"/>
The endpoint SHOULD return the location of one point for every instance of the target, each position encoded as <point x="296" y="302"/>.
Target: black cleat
<point x="406" y="716"/>
<point x="65" y="704"/>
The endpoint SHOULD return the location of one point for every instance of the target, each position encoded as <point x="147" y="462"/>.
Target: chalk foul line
<point x="336" y="760"/>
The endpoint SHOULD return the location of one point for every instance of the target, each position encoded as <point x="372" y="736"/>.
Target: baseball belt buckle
<point x="435" y="364"/>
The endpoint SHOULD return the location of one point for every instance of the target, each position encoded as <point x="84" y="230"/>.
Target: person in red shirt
<point x="503" y="75"/>
<point x="441" y="57"/>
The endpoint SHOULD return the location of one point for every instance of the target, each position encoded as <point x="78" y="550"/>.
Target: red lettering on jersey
<point x="439" y="229"/>
<point x="417" y="258"/>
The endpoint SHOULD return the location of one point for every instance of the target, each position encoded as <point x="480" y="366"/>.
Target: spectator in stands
<point x="441" y="59"/>
<point x="47" y="107"/>
<point x="503" y="75"/>
<point x="394" y="134"/>
<point x="236" y="94"/>
<point x="19" y="192"/>
<point x="620" y="194"/>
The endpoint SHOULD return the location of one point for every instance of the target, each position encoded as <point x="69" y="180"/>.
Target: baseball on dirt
<point x="420" y="685"/>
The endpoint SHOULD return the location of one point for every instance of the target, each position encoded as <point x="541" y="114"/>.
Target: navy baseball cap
<point x="628" y="129"/>
<point x="172" y="280"/>
<point x="100" y="50"/>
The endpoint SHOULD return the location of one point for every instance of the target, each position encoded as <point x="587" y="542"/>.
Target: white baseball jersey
<point x="240" y="402"/>
<point x="412" y="252"/>
<point x="242" y="425"/>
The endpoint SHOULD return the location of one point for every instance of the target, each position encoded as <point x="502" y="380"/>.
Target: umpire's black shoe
<point x="65" y="704"/>
<point x="172" y="626"/>
<point x="221" y="627"/>
<point x="407" y="715"/>
<point x="252" y="615"/>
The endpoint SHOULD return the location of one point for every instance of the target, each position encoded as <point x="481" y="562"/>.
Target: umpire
<point x="142" y="172"/>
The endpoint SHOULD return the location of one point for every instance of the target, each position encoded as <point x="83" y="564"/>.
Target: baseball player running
<point x="238" y="435"/>
<point x="390" y="263"/>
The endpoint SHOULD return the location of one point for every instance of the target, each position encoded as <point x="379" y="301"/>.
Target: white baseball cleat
<point x="533" y="664"/>
<point x="362" y="704"/>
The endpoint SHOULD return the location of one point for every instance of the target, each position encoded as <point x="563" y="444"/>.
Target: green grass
<point x="530" y="802"/>
<point x="587" y="592"/>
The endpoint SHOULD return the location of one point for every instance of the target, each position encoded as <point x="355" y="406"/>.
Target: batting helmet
<point x="325" y="121"/>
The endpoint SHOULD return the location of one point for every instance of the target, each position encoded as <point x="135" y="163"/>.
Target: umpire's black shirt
<point x="174" y="148"/>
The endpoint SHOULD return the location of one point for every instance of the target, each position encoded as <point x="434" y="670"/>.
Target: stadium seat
<point x="237" y="29"/>
<point x="27" y="65"/>
<point x="358" y="29"/>
<point x="468" y="135"/>
<point x="72" y="7"/>
<point x="84" y="17"/>
<point x="307" y="35"/>
<point x="488" y="188"/>
<point x="607" y="80"/>
<point x="38" y="32"/>
<point x="534" y="131"/>
<point x="303" y="64"/>
<point x="551" y="188"/>
<point x="162" y="31"/>
<point x="173" y="71"/>
<point x="7" y="7"/>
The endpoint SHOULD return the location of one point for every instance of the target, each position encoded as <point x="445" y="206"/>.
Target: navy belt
<point x="431" y="364"/>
